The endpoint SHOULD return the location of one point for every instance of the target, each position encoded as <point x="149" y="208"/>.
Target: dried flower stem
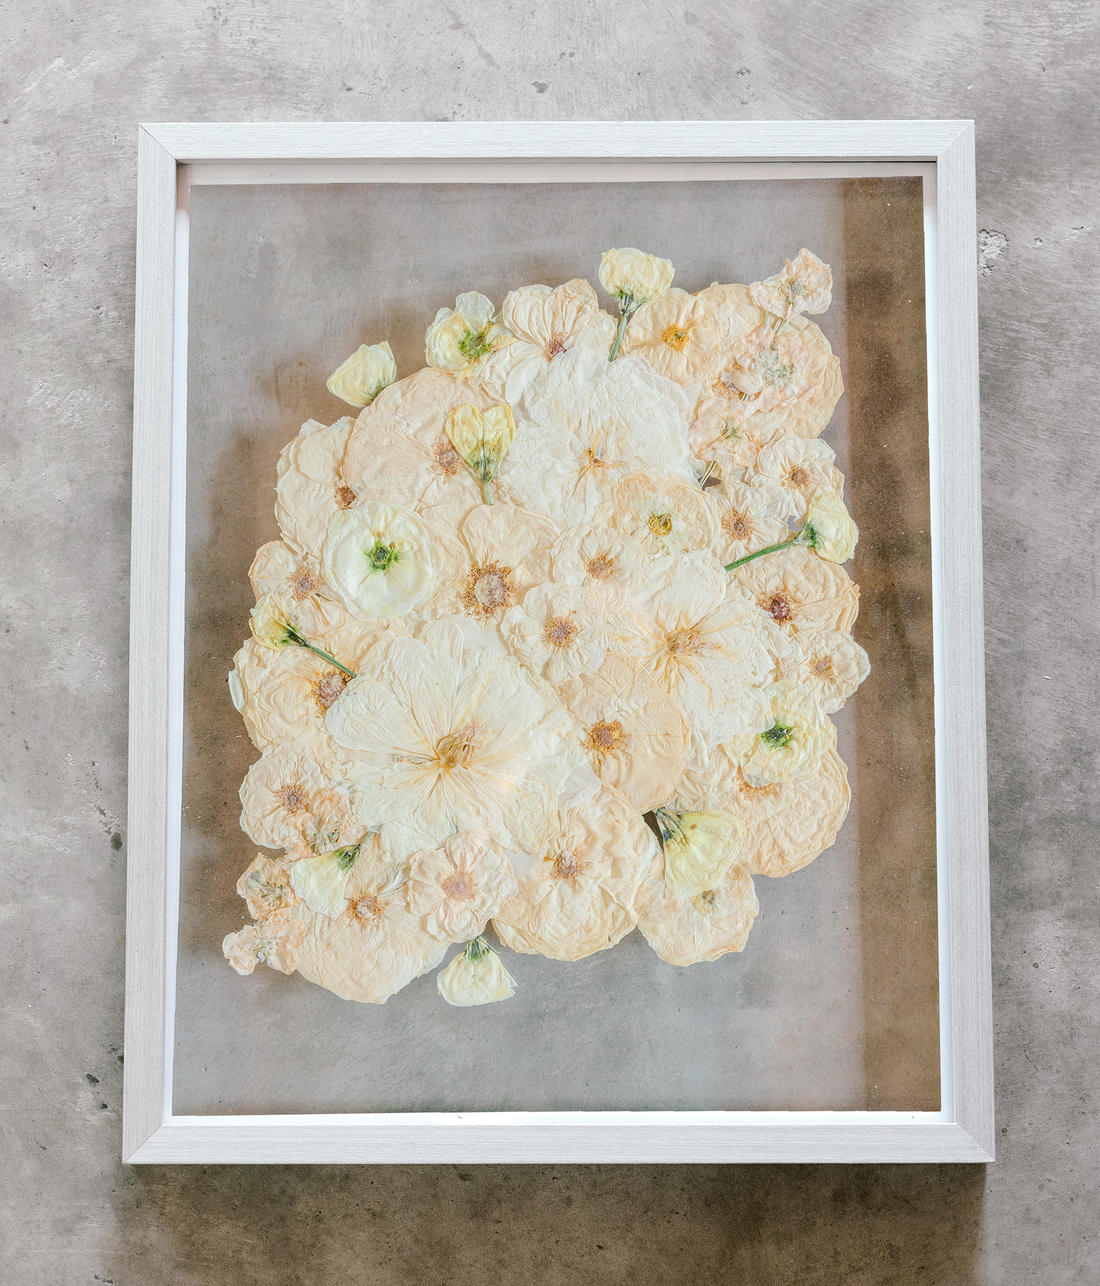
<point x="771" y="549"/>
<point x="627" y="309"/>
<point x="298" y="640"/>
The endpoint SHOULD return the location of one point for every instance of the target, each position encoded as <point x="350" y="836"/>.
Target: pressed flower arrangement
<point x="552" y="637"/>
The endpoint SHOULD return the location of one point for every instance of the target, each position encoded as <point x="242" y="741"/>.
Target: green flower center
<point x="772" y="368"/>
<point x="474" y="344"/>
<point x="382" y="557"/>
<point x="778" y="737"/>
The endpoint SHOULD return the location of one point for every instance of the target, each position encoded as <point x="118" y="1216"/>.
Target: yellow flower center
<point x="459" y="886"/>
<point x="561" y="631"/>
<point x="446" y="456"/>
<point x="683" y="642"/>
<point x="345" y="497"/>
<point x="600" y="567"/>
<point x="368" y="909"/>
<point x="293" y="797"/>
<point x="676" y="336"/>
<point x="660" y="524"/>
<point x="489" y="588"/>
<point x="821" y="667"/>
<point x="604" y="737"/>
<point x="756" y="792"/>
<point x="797" y="476"/>
<point x="592" y="460"/>
<point x="705" y="900"/>
<point x="458" y="748"/>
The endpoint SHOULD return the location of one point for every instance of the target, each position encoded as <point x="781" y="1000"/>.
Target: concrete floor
<point x="76" y="80"/>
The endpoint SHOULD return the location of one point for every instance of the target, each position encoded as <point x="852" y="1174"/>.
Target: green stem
<point x="783" y="544"/>
<point x="325" y="656"/>
<point x="486" y="494"/>
<point x="626" y="311"/>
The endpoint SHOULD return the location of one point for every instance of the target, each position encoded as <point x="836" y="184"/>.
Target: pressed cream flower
<point x="805" y="286"/>
<point x="274" y="942"/>
<point x="475" y="976"/>
<point x="311" y="484"/>
<point x="698" y="848"/>
<point x="550" y="320"/>
<point x="321" y="881"/>
<point x="457" y="888"/>
<point x="274" y="626"/>
<point x="802" y="467"/>
<point x="378" y="559"/>
<point x="829" y="530"/>
<point x="557" y="631"/>
<point x="677" y="334"/>
<point x="688" y="930"/>
<point x="664" y="516"/>
<point x="630" y="729"/>
<point x="828" y="663"/>
<point x="797" y="735"/>
<point x="749" y="517"/>
<point x="265" y="887"/>
<point x="451" y="738"/>
<point x="462" y="335"/>
<point x="602" y="560"/>
<point x="277" y="796"/>
<point x="481" y="440"/>
<point x="364" y="375"/>
<point x="298" y="579"/>
<point x="723" y="433"/>
<point x="634" y="278"/>
<point x="800" y="591"/>
<point x="578" y="896"/>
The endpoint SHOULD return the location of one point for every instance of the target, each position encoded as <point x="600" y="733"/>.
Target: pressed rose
<point x="475" y="976"/>
<point x="462" y="335"/>
<point x="797" y="736"/>
<point x="829" y="530"/>
<point x="277" y="796"/>
<point x="800" y="591"/>
<point x="662" y="515"/>
<point x="828" y="663"/>
<point x="378" y="559"/>
<point x="688" y="930"/>
<point x="805" y="286"/>
<point x="677" y="334"/>
<point x="364" y="375"/>
<point x="632" y="275"/>
<point x="698" y="848"/>
<point x="481" y="440"/>
<point x="311" y="484"/>
<point x="321" y="881"/>
<point x="457" y="888"/>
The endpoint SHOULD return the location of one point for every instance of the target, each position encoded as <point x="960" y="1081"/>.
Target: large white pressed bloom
<point x="602" y="560"/>
<point x="299" y="580"/>
<point x="797" y="735"/>
<point x="801" y="591"/>
<point x="558" y="631"/>
<point x="630" y="729"/>
<point x="451" y="738"/>
<point x="689" y="930"/>
<point x="801" y="467"/>
<point x="578" y="896"/>
<point x="662" y="515"/>
<point x="378" y="558"/>
<point x="488" y="558"/>
<point x="278" y="794"/>
<point x="828" y="663"/>
<point x="312" y="486"/>
<point x="749" y="518"/>
<point x="457" y="888"/>
<point x="677" y="334"/>
<point x="706" y="645"/>
<point x="587" y="432"/>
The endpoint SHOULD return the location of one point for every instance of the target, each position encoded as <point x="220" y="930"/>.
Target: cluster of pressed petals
<point x="551" y="639"/>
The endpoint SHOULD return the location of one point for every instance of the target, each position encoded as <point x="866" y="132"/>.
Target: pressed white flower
<point x="738" y="315"/>
<point x="298" y="579"/>
<point x="749" y="517"/>
<point x="550" y="320"/>
<point x="664" y="516"/>
<point x="704" y="646"/>
<point x="274" y="942"/>
<point x="481" y="440"/>
<point x="805" y="286"/>
<point x="800" y="591"/>
<point x="604" y="561"/>
<point x="364" y="375"/>
<point x="723" y="433"/>
<point x="631" y="730"/>
<point x="557" y="630"/>
<point x="378" y="559"/>
<point x="630" y="274"/>
<point x="578" y="895"/>
<point x="462" y="335"/>
<point x="277" y="795"/>
<point x="677" y="334"/>
<point x="452" y="737"/>
<point x="321" y="881"/>
<point x="688" y="930"/>
<point x="791" y="376"/>
<point x="698" y="848"/>
<point x="797" y="735"/>
<point x="457" y="888"/>
<point x="829" y="530"/>
<point x="802" y="467"/>
<point x="265" y="887"/>
<point x="475" y="976"/>
<point x="828" y="663"/>
<point x="312" y="486"/>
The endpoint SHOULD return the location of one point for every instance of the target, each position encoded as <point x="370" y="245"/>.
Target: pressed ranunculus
<point x="802" y="467"/>
<point x="311" y="484"/>
<point x="805" y="286"/>
<point x="457" y="888"/>
<point x="797" y="736"/>
<point x="698" y="847"/>
<point x="629" y="273"/>
<point x="475" y="976"/>
<point x="829" y="530"/>
<point x="378" y="559"/>
<point x="463" y="335"/>
<point x="364" y="375"/>
<point x="828" y="663"/>
<point x="602" y="560"/>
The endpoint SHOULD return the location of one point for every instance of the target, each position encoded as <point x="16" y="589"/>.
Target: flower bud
<point x="321" y="881"/>
<point x="481" y="439"/>
<point x="364" y="375"/>
<point x="699" y="849"/>
<point x="633" y="276"/>
<point x="475" y="977"/>
<point x="829" y="529"/>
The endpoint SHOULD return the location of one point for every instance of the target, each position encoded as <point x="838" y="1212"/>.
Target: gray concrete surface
<point x="75" y="80"/>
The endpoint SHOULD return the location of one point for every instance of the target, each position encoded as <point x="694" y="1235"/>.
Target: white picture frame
<point x="170" y="156"/>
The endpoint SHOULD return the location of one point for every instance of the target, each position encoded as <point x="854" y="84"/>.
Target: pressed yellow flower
<point x="364" y="375"/>
<point x="631" y="730"/>
<point x="299" y="581"/>
<point x="475" y="976"/>
<point x="378" y="559"/>
<point x="274" y="941"/>
<point x="481" y="439"/>
<point x="451" y="737"/>
<point x="677" y="334"/>
<point x="632" y="275"/>
<point x="802" y="467"/>
<point x="793" y="743"/>
<point x="829" y="530"/>
<point x="457" y="888"/>
<point x="805" y="286"/>
<point x="265" y="887"/>
<point x="463" y="335"/>
<point x="277" y="796"/>
<point x="828" y="663"/>
<point x="312" y="486"/>
<point x="800" y="591"/>
<point x="698" y="848"/>
<point x="688" y="930"/>
<point x="664" y="516"/>
<point x="577" y="897"/>
<point x="558" y="631"/>
<point x="749" y="517"/>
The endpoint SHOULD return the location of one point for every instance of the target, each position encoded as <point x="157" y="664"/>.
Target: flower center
<point x="779" y="737"/>
<point x="592" y="460"/>
<point x="706" y="899"/>
<point x="447" y="457"/>
<point x="797" y="476"/>
<point x="474" y="344"/>
<point x="660" y="524"/>
<point x="681" y="642"/>
<point x="458" y="748"/>
<point x="345" y="497"/>
<point x="600" y="567"/>
<point x="368" y="909"/>
<point x="603" y="737"/>
<point x="303" y="584"/>
<point x="382" y="557"/>
<point x="488" y="589"/>
<point x="459" y="886"/>
<point x="293" y="797"/>
<point x="778" y="607"/>
<point x="676" y="336"/>
<point x="554" y="347"/>
<point x="327" y="688"/>
<point x="566" y="866"/>
<point x="773" y="368"/>
<point x="821" y="667"/>
<point x="561" y="631"/>
<point x="755" y="792"/>
<point x="738" y="526"/>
